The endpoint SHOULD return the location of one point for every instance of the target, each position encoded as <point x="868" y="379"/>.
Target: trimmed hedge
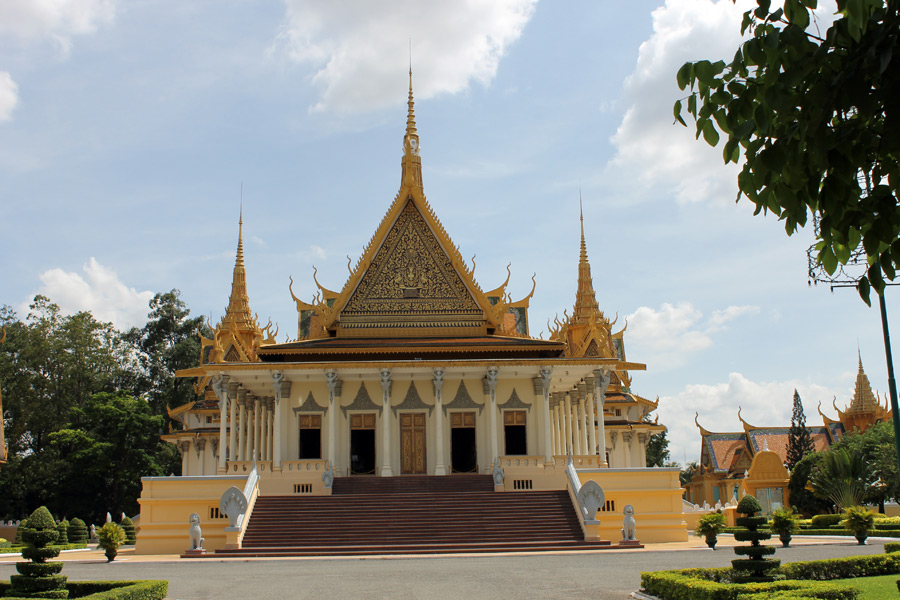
<point x="824" y="521"/>
<point x="843" y="568"/>
<point x="148" y="589"/>
<point x="17" y="549"/>
<point x="672" y="585"/>
<point x="806" y="579"/>
<point x="892" y="547"/>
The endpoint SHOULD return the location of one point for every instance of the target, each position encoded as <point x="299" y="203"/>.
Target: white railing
<point x="589" y="496"/>
<point x="237" y="505"/>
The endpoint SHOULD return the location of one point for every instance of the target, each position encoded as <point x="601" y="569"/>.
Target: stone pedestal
<point x="636" y="543"/>
<point x="194" y="553"/>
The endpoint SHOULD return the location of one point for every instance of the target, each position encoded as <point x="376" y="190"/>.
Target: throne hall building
<point x="412" y="369"/>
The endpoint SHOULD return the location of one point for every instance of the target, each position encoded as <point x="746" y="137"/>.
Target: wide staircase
<point x="413" y="515"/>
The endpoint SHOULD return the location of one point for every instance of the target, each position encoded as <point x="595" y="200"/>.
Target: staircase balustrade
<point x="237" y="505"/>
<point x="587" y="497"/>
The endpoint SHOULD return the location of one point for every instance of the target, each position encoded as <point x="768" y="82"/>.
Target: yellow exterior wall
<point x="655" y="495"/>
<point x="166" y="507"/>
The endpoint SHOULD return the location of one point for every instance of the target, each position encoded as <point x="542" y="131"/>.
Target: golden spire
<point x="238" y="311"/>
<point x="411" y="173"/>
<point x="863" y="398"/>
<point x="585" y="299"/>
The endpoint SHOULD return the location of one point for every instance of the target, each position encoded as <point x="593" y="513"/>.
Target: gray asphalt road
<point x="602" y="576"/>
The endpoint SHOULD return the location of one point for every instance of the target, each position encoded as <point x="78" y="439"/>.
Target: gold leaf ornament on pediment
<point x="411" y="273"/>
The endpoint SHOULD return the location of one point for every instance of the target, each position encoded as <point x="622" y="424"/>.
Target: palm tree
<point x="842" y="477"/>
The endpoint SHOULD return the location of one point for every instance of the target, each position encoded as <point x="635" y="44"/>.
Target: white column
<point x="242" y="425"/>
<point x="627" y="436"/>
<point x="263" y="421"/>
<point x="282" y="389"/>
<point x="438" y="381"/>
<point x="232" y="421"/>
<point x="221" y="388"/>
<point x="567" y="417"/>
<point x="334" y="392"/>
<point x="386" y="424"/>
<point x="546" y="372"/>
<point x="560" y="425"/>
<point x="589" y="404"/>
<point x="270" y="427"/>
<point x="643" y="438"/>
<point x="601" y="383"/>
<point x="253" y="440"/>
<point x="582" y="421"/>
<point x="490" y="381"/>
<point x="200" y="447"/>
<point x="185" y="448"/>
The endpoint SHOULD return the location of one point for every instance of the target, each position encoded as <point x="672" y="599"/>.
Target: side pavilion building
<point x="413" y="369"/>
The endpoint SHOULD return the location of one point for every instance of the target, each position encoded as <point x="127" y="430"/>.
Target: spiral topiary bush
<point x="39" y="578"/>
<point x="128" y="525"/>
<point x="63" y="529"/>
<point x="756" y="568"/>
<point x="78" y="531"/>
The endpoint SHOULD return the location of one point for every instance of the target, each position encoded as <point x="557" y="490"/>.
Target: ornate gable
<point x="411" y="282"/>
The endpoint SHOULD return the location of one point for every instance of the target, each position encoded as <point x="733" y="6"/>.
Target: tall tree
<point x="167" y="343"/>
<point x="800" y="442"/>
<point x="817" y="118"/>
<point x="111" y="442"/>
<point x="658" y="450"/>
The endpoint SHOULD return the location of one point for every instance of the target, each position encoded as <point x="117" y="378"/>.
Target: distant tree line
<point x="84" y="405"/>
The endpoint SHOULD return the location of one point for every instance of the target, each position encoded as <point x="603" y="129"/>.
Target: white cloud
<point x="9" y="96"/>
<point x="761" y="403"/>
<point x="359" y="48"/>
<point x="99" y="291"/>
<point x="647" y="141"/>
<point x="666" y="155"/>
<point x="667" y="337"/>
<point x="720" y="317"/>
<point x="57" y="20"/>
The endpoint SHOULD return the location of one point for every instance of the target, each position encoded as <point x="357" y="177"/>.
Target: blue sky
<point x="128" y="129"/>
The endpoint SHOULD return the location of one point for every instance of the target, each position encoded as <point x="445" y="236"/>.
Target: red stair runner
<point x="412" y="515"/>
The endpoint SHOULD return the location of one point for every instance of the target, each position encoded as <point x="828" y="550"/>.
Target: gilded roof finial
<point x="585" y="299"/>
<point x="238" y="311"/>
<point x="411" y="173"/>
<point x="863" y="398"/>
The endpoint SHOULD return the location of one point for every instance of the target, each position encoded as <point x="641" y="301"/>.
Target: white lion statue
<point x="196" y="540"/>
<point x="629" y="528"/>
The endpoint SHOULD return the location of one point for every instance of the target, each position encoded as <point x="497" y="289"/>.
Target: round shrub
<point x="748" y="505"/>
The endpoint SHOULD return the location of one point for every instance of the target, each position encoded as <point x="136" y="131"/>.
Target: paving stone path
<point x="600" y="575"/>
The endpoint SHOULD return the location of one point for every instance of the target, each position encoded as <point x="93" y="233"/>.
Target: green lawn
<point x="874" y="588"/>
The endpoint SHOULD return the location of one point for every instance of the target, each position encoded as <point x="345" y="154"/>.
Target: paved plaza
<point x="598" y="575"/>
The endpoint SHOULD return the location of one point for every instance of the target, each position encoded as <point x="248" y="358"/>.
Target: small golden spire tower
<point x="237" y="337"/>
<point x="238" y="311"/>
<point x="865" y="410"/>
<point x="586" y="305"/>
<point x="411" y="172"/>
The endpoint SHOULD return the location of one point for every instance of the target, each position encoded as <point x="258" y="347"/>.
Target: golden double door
<point x="412" y="443"/>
